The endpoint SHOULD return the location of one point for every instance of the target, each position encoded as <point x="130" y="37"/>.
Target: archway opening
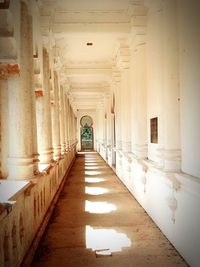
<point x="87" y="135"/>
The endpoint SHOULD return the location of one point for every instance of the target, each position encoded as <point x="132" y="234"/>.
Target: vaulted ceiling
<point x="85" y="35"/>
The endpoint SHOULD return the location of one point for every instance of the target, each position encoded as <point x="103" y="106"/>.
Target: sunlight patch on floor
<point x="92" y="172"/>
<point x="94" y="180"/>
<point x="99" y="207"/>
<point x="92" y="167"/>
<point x="91" y="164"/>
<point x="99" y="239"/>
<point x="95" y="191"/>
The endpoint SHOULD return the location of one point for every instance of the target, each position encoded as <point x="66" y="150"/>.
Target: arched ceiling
<point x="87" y="68"/>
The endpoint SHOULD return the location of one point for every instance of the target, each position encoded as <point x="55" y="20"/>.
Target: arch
<point x="86" y="133"/>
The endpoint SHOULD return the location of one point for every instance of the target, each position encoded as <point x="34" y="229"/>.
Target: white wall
<point x="155" y="79"/>
<point x="189" y="42"/>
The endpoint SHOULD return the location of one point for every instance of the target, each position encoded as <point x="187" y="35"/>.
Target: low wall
<point x="171" y="200"/>
<point x="22" y="216"/>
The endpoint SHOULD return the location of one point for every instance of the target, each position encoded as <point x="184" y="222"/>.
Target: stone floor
<point x="98" y="223"/>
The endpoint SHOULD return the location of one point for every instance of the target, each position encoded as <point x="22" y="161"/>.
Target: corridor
<point x="98" y="223"/>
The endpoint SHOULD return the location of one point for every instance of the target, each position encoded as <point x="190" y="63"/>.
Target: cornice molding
<point x="122" y="55"/>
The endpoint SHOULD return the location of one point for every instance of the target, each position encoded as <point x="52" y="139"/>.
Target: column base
<point x="140" y="151"/>
<point x="56" y="152"/>
<point x="172" y="160"/>
<point x="126" y="146"/>
<point x="20" y="168"/>
<point x="46" y="156"/>
<point x="63" y="148"/>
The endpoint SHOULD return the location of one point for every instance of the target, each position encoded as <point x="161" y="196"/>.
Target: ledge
<point x="9" y="189"/>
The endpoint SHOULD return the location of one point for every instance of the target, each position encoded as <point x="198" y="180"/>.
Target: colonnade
<point x="37" y="130"/>
<point x="146" y="85"/>
<point x="38" y="122"/>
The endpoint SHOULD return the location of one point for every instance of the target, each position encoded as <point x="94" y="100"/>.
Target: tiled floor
<point x="98" y="223"/>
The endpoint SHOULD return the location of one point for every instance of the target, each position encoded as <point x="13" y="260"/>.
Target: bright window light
<point x="99" y="207"/>
<point x="102" y="239"/>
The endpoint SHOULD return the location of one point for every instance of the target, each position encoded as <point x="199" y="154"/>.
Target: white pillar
<point x="125" y="110"/>
<point x="138" y="101"/>
<point x="62" y="120"/>
<point x="4" y="127"/>
<point x="44" y="125"/>
<point x="155" y="78"/>
<point x="171" y="93"/>
<point x="66" y="112"/>
<point x="118" y="111"/>
<point x="20" y="107"/>
<point x="56" y="118"/>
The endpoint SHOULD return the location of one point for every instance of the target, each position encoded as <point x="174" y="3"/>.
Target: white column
<point x="100" y="127"/>
<point x="44" y="125"/>
<point x="125" y="110"/>
<point x="155" y="78"/>
<point x="66" y="121"/>
<point x="171" y="93"/>
<point x="69" y="125"/>
<point x="118" y="111"/>
<point x="56" y="118"/>
<point x="32" y="85"/>
<point x="113" y="141"/>
<point x="138" y="100"/>
<point x="4" y="127"/>
<point x="118" y="114"/>
<point x="189" y="66"/>
<point x="20" y="111"/>
<point x="62" y="120"/>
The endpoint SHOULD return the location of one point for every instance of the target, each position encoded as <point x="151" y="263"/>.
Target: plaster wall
<point x="19" y="227"/>
<point x="189" y="56"/>
<point x="169" y="195"/>
<point x="155" y="79"/>
<point x="171" y="200"/>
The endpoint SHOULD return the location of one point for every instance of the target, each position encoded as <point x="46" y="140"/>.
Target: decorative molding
<point x="122" y="54"/>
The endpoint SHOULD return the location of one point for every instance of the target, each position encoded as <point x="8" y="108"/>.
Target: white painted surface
<point x="189" y="29"/>
<point x="10" y="188"/>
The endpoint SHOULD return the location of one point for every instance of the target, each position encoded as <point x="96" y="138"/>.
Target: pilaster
<point x="171" y="88"/>
<point x="139" y="97"/>
<point x="123" y="63"/>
